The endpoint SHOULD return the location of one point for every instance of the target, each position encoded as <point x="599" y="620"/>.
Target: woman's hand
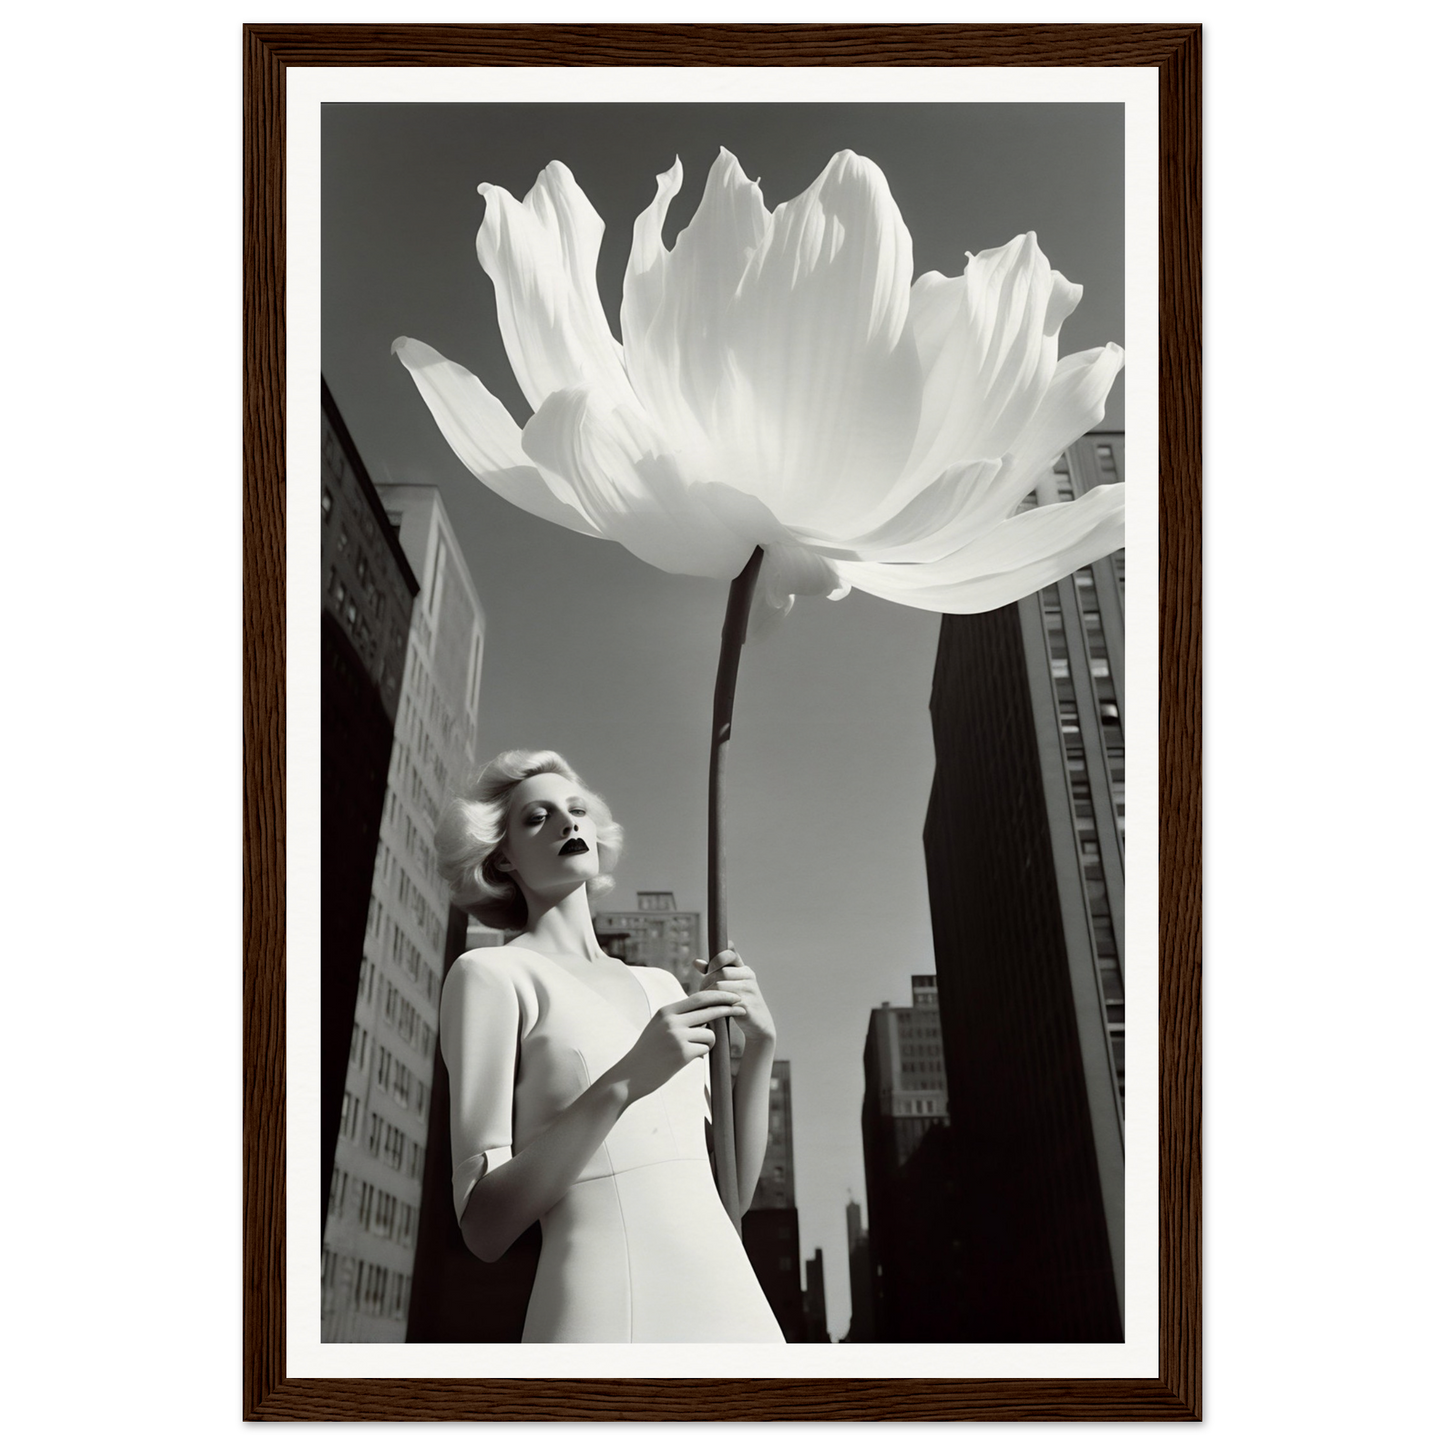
<point x="674" y="1036"/>
<point x="728" y="971"/>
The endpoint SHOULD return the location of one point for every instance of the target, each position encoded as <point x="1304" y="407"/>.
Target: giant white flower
<point x="783" y="381"/>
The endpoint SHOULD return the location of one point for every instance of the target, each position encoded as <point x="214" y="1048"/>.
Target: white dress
<point x="640" y="1247"/>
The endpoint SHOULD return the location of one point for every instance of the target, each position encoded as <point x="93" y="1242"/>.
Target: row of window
<point x="418" y="846"/>
<point x="333" y="461"/>
<point x="1081" y="792"/>
<point x="385" y="1141"/>
<point x="350" y="1115"/>
<point x="919" y="1106"/>
<point x="399" y="1081"/>
<point x="441" y="722"/>
<point x="416" y="902"/>
<point x="374" y="1290"/>
<point x="383" y="1214"/>
<point x="420" y="794"/>
<point x="415" y="966"/>
<point x="407" y="1021"/>
<point x="377" y="1211"/>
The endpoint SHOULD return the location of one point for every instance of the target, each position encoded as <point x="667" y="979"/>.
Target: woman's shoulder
<point x="504" y="960"/>
<point x="489" y="977"/>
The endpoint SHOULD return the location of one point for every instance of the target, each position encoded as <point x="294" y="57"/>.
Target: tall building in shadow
<point x="1024" y="843"/>
<point x="815" y="1302"/>
<point x="367" y="587"/>
<point x="770" y="1226"/>
<point x="905" y="1110"/>
<point x="860" y="1278"/>
<point x="370" y="1237"/>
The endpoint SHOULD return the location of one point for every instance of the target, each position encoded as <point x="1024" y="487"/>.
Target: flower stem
<point x="734" y="633"/>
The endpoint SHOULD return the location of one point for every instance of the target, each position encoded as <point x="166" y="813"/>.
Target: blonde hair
<point x="473" y="825"/>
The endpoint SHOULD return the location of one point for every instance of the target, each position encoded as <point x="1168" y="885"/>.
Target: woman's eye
<point x="580" y="812"/>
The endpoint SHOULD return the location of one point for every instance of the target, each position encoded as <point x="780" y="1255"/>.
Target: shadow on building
<point x="902" y="1269"/>
<point x="368" y="589"/>
<point x="389" y="999"/>
<point x="1024" y="850"/>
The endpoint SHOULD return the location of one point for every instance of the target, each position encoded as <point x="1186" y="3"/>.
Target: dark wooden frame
<point x="1175" y="51"/>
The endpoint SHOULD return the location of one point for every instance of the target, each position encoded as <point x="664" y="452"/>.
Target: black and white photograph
<point x="722" y="724"/>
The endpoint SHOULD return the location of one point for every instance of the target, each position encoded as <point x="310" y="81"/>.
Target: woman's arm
<point x="752" y="1089"/>
<point x="751" y="1098"/>
<point x="507" y="1199"/>
<point x="515" y="1191"/>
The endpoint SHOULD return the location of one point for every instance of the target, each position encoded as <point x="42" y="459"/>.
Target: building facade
<point x="770" y="1226"/>
<point x="655" y="934"/>
<point x="815" y="1302"/>
<point x="1024" y="844"/>
<point x="860" y="1277"/>
<point x="366" y="603"/>
<point x="905" y="1102"/>
<point x="375" y="1196"/>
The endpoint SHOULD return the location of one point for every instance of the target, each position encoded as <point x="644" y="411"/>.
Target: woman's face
<point x="551" y="837"/>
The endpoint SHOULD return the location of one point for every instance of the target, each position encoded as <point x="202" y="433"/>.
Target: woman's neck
<point x="563" y="925"/>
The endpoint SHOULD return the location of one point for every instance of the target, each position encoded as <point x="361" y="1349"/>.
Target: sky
<point x="594" y="653"/>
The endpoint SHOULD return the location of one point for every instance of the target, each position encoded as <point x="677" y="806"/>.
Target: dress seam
<point x="617" y="1199"/>
<point x="646" y="1164"/>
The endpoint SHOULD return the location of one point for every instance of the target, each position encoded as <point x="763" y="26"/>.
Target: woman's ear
<point x="501" y="863"/>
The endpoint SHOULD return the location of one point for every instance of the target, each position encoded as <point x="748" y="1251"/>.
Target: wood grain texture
<point x="1175" y="51"/>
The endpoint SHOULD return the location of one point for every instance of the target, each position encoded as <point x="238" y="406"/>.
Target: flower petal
<point x="541" y="254"/>
<point x="789" y="571"/>
<point x="1020" y="555"/>
<point x="674" y="302"/>
<point x="988" y="343"/>
<point x="632" y="490"/>
<point x="483" y="435"/>
<point x="949" y="512"/>
<point x="1072" y="405"/>
<point x="818" y="394"/>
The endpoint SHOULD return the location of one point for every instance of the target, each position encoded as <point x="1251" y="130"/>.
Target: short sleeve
<point x="480" y="1034"/>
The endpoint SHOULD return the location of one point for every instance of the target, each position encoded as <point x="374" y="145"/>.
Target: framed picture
<point x="950" y="1016"/>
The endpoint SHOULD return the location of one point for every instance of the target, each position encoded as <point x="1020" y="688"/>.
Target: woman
<point x="579" y="1084"/>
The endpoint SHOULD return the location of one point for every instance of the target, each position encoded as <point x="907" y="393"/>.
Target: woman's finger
<point x="727" y="971"/>
<point x="719" y="1011"/>
<point x="704" y="998"/>
<point x="727" y="955"/>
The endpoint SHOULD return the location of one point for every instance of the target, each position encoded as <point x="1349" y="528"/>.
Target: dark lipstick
<point x="573" y="845"/>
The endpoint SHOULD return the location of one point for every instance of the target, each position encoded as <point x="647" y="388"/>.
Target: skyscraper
<point x="905" y="1101"/>
<point x="371" y="1230"/>
<point x="770" y="1226"/>
<point x="815" y="1302"/>
<point x="1024" y="843"/>
<point x="860" y="1277"/>
<point x="367" y="587"/>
